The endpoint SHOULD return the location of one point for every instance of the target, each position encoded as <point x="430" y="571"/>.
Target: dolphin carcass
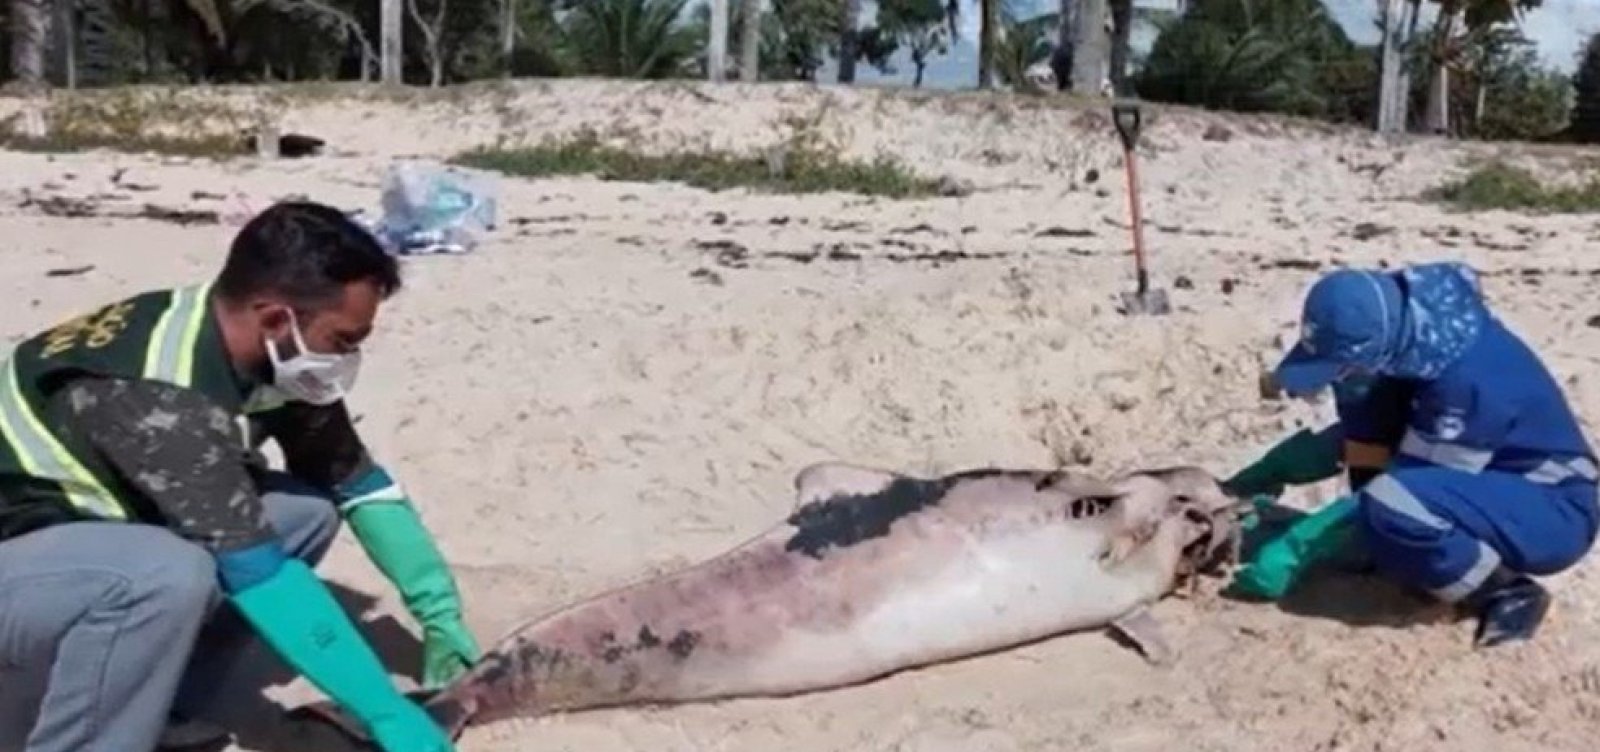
<point x="873" y="572"/>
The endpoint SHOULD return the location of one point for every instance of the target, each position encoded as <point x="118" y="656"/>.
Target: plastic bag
<point x="430" y="208"/>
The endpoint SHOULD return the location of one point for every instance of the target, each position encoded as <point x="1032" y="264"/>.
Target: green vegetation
<point x="166" y="122"/>
<point x="1287" y="56"/>
<point x="1278" y="56"/>
<point x="212" y="147"/>
<point x="1586" y="85"/>
<point x="1496" y="185"/>
<point x="795" y="167"/>
<point x="1291" y="57"/>
<point x="446" y="41"/>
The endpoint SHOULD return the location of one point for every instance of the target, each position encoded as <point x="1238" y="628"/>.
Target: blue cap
<point x="1348" y="320"/>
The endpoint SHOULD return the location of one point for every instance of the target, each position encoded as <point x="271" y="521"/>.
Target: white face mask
<point x="317" y="378"/>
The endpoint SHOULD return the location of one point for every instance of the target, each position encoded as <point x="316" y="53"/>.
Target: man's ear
<point x="271" y="317"/>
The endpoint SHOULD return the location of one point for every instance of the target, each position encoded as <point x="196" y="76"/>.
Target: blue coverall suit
<point x="1491" y="477"/>
<point x="1491" y="468"/>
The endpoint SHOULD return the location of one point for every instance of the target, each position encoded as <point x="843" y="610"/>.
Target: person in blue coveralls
<point x="1469" y="470"/>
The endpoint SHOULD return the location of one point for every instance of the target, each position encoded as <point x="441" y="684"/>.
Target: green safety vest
<point x="47" y="474"/>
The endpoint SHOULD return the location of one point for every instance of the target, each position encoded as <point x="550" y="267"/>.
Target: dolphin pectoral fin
<point x="1141" y="628"/>
<point x="825" y="480"/>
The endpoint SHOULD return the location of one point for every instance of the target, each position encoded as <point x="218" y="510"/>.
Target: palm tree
<point x="1448" y="47"/>
<point x="1245" y="55"/>
<point x="630" y="38"/>
<point x="1020" y="44"/>
<point x="923" y="27"/>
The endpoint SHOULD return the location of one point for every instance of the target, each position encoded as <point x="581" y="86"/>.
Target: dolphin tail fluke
<point x="444" y="708"/>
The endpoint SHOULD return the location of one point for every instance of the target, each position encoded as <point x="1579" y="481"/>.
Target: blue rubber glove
<point x="296" y="615"/>
<point x="398" y="544"/>
<point x="1278" y="564"/>
<point x="389" y="530"/>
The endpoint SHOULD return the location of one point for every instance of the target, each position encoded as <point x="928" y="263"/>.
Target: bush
<point x="790" y="169"/>
<point x="1288" y="56"/>
<point x="1497" y="185"/>
<point x="1586" y="86"/>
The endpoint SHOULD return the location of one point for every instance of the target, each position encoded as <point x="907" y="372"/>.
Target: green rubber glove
<point x="1318" y="537"/>
<point x="1304" y="457"/>
<point x="394" y="538"/>
<point x="296" y="615"/>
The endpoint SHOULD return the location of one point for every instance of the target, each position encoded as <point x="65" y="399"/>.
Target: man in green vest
<point x="143" y="540"/>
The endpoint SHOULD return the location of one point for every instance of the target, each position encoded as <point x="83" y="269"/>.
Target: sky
<point x="1559" y="28"/>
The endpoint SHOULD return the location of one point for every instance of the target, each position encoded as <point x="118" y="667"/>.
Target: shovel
<point x="1143" y="299"/>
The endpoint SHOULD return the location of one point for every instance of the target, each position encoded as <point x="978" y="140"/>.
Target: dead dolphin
<point x="872" y="573"/>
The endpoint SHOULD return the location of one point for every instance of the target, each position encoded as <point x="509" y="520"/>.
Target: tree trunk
<point x="921" y="66"/>
<point x="1091" y="49"/>
<point x="145" y="26"/>
<point x="1061" y="56"/>
<point x="508" y="35"/>
<point x="848" y="51"/>
<point x="1121" y="39"/>
<point x="1390" y="94"/>
<point x="1480" y="107"/>
<point x="66" y="43"/>
<point x="1403" y="108"/>
<point x="989" y="10"/>
<point x="30" y="37"/>
<point x="432" y="40"/>
<point x="750" y="42"/>
<point x="391" y="52"/>
<point x="1438" y="114"/>
<point x="717" y="46"/>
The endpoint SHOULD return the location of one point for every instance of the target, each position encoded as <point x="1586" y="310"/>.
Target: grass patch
<point x="211" y="147"/>
<point x="1497" y="185"/>
<point x="791" y="168"/>
<point x="164" y="122"/>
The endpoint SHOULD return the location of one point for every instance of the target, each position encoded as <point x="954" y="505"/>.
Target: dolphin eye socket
<point x="1092" y="506"/>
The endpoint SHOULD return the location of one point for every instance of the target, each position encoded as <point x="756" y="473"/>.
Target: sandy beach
<point x="624" y="379"/>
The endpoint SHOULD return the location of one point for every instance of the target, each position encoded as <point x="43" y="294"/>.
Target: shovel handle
<point x="1136" y="216"/>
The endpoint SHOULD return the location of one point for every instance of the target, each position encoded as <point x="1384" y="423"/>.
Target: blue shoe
<point x="1510" y="607"/>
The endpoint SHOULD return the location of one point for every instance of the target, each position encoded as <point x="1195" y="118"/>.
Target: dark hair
<point x="307" y="252"/>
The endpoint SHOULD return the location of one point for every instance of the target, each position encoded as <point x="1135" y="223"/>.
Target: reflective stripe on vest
<point x="44" y="457"/>
<point x="1458" y="456"/>
<point x="169" y="357"/>
<point x="1554" y="472"/>
<point x="170" y="354"/>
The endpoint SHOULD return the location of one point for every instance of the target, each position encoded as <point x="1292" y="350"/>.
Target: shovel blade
<point x="1148" y="302"/>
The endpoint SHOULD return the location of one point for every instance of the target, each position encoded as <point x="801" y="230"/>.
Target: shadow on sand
<point x="258" y="722"/>
<point x="1348" y="590"/>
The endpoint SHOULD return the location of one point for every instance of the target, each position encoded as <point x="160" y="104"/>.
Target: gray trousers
<point x="107" y="628"/>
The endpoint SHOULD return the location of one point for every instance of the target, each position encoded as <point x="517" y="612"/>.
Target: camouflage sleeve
<point x="320" y="444"/>
<point x="178" y="449"/>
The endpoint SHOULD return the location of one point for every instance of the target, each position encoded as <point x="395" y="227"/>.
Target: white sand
<point x="574" y="408"/>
